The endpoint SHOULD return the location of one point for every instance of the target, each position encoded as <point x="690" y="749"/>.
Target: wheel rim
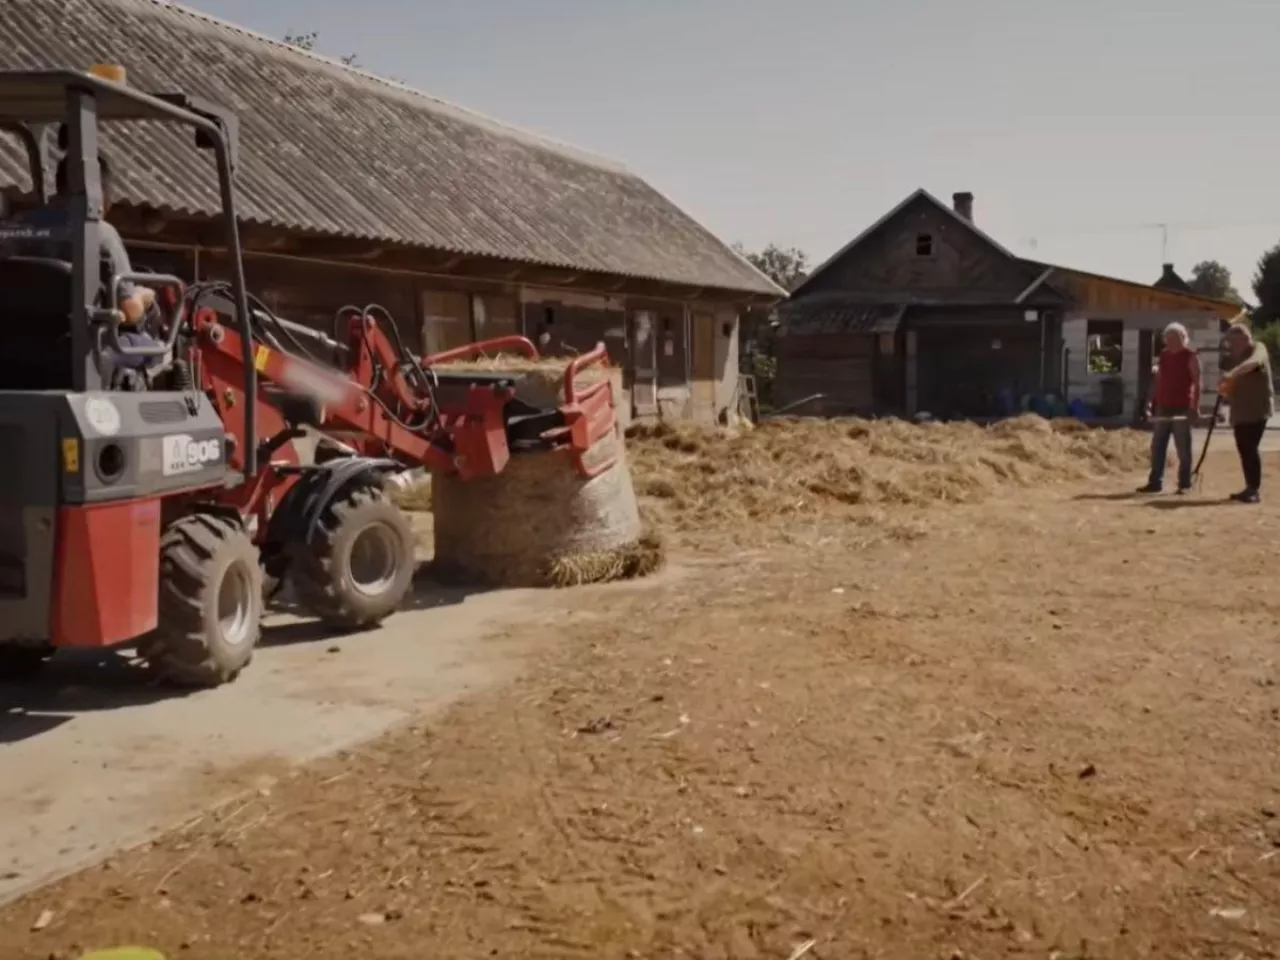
<point x="374" y="560"/>
<point x="235" y="606"/>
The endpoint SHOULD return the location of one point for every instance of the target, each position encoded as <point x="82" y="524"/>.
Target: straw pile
<point x="699" y="479"/>
<point x="539" y="522"/>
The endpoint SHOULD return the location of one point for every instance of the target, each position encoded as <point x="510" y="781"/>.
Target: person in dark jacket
<point x="1249" y="389"/>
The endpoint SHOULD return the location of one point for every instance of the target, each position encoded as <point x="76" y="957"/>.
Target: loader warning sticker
<point x="181" y="453"/>
<point x="70" y="455"/>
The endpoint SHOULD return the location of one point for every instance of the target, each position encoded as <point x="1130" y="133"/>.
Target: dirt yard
<point x="1024" y="721"/>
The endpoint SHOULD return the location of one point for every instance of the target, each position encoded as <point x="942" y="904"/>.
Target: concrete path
<point x="94" y="758"/>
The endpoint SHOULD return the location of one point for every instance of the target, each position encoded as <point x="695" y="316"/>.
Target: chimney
<point x="963" y="205"/>
<point x="1169" y="273"/>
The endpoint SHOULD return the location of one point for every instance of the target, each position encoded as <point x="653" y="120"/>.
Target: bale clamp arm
<point x="513" y="343"/>
<point x="590" y="412"/>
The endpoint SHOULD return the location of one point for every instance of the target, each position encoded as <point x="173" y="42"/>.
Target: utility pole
<point x="1164" y="239"/>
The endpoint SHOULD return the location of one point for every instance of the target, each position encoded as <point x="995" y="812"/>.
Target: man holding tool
<point x="1175" y="397"/>
<point x="1249" y="389"/>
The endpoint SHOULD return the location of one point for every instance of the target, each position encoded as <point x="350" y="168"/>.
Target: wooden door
<point x="644" y="364"/>
<point x="703" y="337"/>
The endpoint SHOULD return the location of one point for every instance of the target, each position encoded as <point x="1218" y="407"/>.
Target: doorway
<point x="1150" y="343"/>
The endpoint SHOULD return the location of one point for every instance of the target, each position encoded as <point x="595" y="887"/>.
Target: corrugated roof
<point x="331" y="149"/>
<point x="836" y="314"/>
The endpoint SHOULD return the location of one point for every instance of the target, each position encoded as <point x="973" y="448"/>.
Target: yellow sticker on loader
<point x="70" y="455"/>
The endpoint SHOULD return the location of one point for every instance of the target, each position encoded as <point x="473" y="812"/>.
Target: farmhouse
<point x="355" y="189"/>
<point x="925" y="312"/>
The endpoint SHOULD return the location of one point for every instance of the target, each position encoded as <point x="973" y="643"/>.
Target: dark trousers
<point x="1248" y="439"/>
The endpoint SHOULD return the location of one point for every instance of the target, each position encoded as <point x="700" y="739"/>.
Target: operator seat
<point x="35" y="303"/>
<point x="35" y="308"/>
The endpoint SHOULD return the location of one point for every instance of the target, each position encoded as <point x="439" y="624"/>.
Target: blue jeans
<point x="1162" y="430"/>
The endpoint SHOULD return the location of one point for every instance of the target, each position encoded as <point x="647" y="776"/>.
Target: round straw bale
<point x="541" y="523"/>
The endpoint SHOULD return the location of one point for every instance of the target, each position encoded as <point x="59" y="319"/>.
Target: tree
<point x="1209" y="278"/>
<point x="787" y="267"/>
<point x="1266" y="287"/>
<point x="307" y="41"/>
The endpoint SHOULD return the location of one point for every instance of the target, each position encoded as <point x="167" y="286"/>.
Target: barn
<point x="356" y="189"/>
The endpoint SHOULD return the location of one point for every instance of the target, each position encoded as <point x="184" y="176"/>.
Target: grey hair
<point x="1180" y="330"/>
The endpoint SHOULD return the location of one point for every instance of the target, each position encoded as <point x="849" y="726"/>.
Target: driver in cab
<point x="135" y="300"/>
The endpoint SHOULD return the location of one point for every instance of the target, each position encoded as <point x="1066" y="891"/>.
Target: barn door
<point x="644" y="365"/>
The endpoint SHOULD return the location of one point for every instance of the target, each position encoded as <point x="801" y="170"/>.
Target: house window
<point x="924" y="245"/>
<point x="1105" y="346"/>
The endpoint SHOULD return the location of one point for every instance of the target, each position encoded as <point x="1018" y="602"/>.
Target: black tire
<point x="211" y="603"/>
<point x="333" y="577"/>
<point x="20" y="662"/>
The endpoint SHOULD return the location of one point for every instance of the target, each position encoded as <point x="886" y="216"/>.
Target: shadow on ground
<point x="1188" y="503"/>
<point x="1117" y="497"/>
<point x="72" y="683"/>
<point x="80" y="681"/>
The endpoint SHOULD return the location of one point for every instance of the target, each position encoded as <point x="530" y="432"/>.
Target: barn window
<point x="1105" y="345"/>
<point x="924" y="245"/>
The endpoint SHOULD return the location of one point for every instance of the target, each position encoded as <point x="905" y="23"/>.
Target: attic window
<point x="924" y="244"/>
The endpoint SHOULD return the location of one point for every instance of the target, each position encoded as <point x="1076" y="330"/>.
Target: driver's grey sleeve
<point x="113" y="249"/>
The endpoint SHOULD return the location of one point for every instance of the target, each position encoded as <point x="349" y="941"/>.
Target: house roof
<point x="1042" y="278"/>
<point x="1171" y="280"/>
<point x="1166" y="294"/>
<point x="838" y="314"/>
<point x="327" y="149"/>
<point x="911" y="198"/>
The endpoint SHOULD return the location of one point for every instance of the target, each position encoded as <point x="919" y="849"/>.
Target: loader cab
<point x="57" y="299"/>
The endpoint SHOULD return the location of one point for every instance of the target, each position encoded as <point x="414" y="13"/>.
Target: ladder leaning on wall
<point x="748" y="399"/>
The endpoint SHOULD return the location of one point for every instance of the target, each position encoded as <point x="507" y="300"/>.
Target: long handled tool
<point x="1208" y="436"/>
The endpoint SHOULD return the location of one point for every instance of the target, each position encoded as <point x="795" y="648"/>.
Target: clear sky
<point x="1078" y="124"/>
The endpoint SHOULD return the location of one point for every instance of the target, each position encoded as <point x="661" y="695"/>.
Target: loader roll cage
<point x="75" y="103"/>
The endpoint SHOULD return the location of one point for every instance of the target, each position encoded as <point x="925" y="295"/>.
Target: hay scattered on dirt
<point x="701" y="479"/>
<point x="640" y="558"/>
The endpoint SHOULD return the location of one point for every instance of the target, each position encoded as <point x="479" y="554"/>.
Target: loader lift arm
<point x="382" y="400"/>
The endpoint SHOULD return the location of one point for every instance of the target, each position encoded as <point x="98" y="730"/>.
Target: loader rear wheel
<point x="359" y="566"/>
<point x="210" y="608"/>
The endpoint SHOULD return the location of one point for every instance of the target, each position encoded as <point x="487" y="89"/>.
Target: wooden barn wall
<point x="436" y="314"/>
<point x="839" y="366"/>
<point x="306" y="293"/>
<point x="962" y="369"/>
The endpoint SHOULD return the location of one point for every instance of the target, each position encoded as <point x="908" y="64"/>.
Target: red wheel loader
<point x="155" y="481"/>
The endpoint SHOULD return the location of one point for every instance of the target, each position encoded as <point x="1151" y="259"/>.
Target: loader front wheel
<point x="359" y="565"/>
<point x="209" y="616"/>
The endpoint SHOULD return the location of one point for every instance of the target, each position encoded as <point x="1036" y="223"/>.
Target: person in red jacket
<point x="1175" y="396"/>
